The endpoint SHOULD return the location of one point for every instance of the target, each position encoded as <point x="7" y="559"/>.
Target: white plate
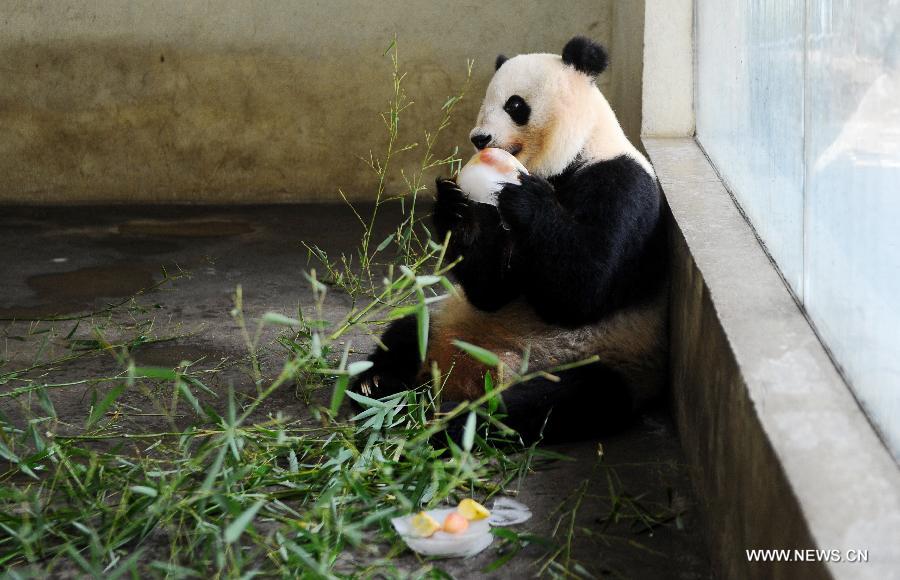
<point x="477" y="537"/>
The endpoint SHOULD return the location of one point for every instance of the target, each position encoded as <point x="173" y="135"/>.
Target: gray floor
<point x="68" y="260"/>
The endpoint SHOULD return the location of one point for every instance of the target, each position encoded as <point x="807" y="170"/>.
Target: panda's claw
<point x="519" y="203"/>
<point x="452" y="210"/>
<point x="368" y="386"/>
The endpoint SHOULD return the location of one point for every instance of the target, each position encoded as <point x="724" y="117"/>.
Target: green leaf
<point x="468" y="438"/>
<point x="385" y="243"/>
<point x="173" y="570"/>
<point x="98" y="410"/>
<point x="154" y="373"/>
<point x="7" y="454"/>
<point x="315" y="347"/>
<point x="482" y="355"/>
<point x="526" y="356"/>
<point x="200" y="385"/>
<point x="358" y="367"/>
<point x="128" y="565"/>
<point x="367" y="401"/>
<point x="279" y="319"/>
<point x="337" y="396"/>
<point x="213" y="473"/>
<point x="422" y="318"/>
<point x="237" y="527"/>
<point x="427" y="280"/>
<point x="144" y="490"/>
<point x="403" y="311"/>
<point x="187" y="394"/>
<point x="494" y="401"/>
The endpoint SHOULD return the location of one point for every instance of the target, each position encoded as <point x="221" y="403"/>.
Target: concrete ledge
<point x="781" y="454"/>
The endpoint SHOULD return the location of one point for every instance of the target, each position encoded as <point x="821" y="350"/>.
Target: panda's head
<point x="547" y="110"/>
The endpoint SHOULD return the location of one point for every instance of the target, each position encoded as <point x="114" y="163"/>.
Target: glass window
<point x="798" y="106"/>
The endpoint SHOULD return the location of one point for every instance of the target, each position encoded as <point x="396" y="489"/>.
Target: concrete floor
<point x="58" y="261"/>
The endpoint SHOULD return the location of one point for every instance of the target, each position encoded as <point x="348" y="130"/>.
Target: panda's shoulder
<point x="622" y="170"/>
<point x="618" y="178"/>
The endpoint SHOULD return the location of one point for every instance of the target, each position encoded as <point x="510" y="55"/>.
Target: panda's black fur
<point x="578" y="256"/>
<point x="577" y="249"/>
<point x="585" y="56"/>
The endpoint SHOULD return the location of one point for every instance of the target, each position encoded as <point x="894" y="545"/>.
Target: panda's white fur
<point x="571" y="117"/>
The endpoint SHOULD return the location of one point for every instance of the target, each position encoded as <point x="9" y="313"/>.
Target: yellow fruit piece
<point x="472" y="510"/>
<point x="424" y="525"/>
<point x="455" y="523"/>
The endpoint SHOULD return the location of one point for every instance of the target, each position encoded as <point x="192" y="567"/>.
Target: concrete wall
<point x="240" y="101"/>
<point x="668" y="73"/>
<point x="625" y="88"/>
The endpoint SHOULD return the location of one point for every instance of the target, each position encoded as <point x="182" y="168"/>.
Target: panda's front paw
<point x="519" y="204"/>
<point x="375" y="384"/>
<point x="452" y="211"/>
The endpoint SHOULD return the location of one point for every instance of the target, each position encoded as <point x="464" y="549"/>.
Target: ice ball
<point x="482" y="178"/>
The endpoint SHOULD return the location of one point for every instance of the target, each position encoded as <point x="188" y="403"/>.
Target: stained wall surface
<point x="238" y="101"/>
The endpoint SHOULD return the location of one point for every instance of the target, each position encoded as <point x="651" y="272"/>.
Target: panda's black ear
<point x="585" y="55"/>
<point x="499" y="62"/>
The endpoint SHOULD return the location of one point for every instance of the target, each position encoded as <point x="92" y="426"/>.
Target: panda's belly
<point x="632" y="341"/>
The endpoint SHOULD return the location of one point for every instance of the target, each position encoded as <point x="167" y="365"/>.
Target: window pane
<point x="750" y="115"/>
<point x="798" y="106"/>
<point x="852" y="267"/>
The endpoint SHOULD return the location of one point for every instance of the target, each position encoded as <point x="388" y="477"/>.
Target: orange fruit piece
<point x="455" y="523"/>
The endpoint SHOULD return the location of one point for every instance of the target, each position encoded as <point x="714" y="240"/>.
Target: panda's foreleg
<point x="585" y="402"/>
<point x="395" y="366"/>
<point x="478" y="236"/>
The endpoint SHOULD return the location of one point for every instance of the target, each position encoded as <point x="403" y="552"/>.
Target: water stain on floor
<point x="85" y="284"/>
<point x="186" y="228"/>
<point x="168" y="355"/>
<point x="66" y="292"/>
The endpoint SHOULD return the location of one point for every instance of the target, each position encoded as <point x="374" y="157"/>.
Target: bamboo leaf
<point x="494" y="401"/>
<point x="237" y="527"/>
<point x="482" y="355"/>
<point x="337" y="396"/>
<point x="364" y="400"/>
<point x="468" y="438"/>
<point x="385" y="243"/>
<point x="358" y="367"/>
<point x="98" y="410"/>
<point x="279" y="319"/>
<point x="422" y="318"/>
<point x="144" y="490"/>
<point x="154" y="373"/>
<point x="427" y="280"/>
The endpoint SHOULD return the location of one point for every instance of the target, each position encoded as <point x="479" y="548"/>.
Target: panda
<point x="569" y="264"/>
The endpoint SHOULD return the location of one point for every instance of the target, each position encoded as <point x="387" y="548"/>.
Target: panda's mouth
<point x="514" y="149"/>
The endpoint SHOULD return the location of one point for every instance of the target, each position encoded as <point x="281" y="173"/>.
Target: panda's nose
<point x="480" y="141"/>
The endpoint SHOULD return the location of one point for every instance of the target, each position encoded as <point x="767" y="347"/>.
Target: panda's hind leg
<point x="585" y="402"/>
<point x="396" y="367"/>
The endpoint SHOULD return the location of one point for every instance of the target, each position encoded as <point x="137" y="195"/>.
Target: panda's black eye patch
<point x="517" y="109"/>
